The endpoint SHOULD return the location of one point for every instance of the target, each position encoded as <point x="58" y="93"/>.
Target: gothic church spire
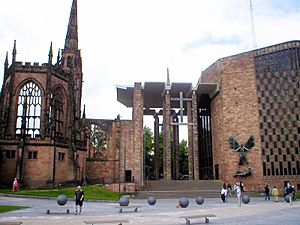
<point x="71" y="42"/>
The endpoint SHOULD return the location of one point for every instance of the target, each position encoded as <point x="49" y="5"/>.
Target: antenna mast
<point x="252" y="26"/>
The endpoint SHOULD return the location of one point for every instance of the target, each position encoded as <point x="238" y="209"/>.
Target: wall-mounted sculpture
<point x="243" y="156"/>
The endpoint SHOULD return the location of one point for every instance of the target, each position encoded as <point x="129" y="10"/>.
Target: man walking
<point x="267" y="193"/>
<point x="79" y="198"/>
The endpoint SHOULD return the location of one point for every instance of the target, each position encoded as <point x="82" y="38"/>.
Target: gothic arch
<point x="29" y="108"/>
<point x="58" y="111"/>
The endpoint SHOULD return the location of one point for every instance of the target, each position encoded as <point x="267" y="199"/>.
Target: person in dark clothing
<point x="79" y="198"/>
<point x="267" y="193"/>
<point x="242" y="186"/>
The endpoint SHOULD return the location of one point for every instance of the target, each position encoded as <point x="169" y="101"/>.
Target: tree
<point x="183" y="157"/>
<point x="149" y="152"/>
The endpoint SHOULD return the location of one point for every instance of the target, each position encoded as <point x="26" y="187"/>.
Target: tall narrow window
<point x="56" y="111"/>
<point x="29" y="110"/>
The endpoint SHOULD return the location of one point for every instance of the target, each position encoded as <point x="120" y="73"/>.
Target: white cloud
<point x="123" y="42"/>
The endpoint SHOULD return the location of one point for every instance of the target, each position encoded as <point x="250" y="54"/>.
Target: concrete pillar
<point x="166" y="133"/>
<point x="138" y="134"/>
<point x="195" y="135"/>
<point x="176" y="149"/>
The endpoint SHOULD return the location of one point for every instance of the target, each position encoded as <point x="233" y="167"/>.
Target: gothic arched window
<point x="56" y="112"/>
<point x="98" y="141"/>
<point x="29" y="110"/>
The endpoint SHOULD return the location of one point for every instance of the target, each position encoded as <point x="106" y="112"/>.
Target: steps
<point x="183" y="188"/>
<point x="180" y="188"/>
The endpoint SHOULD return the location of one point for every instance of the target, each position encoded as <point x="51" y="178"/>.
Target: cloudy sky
<point x="127" y="41"/>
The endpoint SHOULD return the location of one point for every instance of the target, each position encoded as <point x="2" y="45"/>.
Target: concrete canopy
<point x="154" y="92"/>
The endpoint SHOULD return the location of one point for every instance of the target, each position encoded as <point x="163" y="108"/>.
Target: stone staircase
<point x="180" y="188"/>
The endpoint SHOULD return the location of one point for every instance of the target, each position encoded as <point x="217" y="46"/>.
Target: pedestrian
<point x="229" y="189"/>
<point x="79" y="198"/>
<point x="267" y="193"/>
<point x="15" y="185"/>
<point x="290" y="193"/>
<point x="237" y="191"/>
<point x="224" y="193"/>
<point x="85" y="180"/>
<point x="242" y="186"/>
<point x="275" y="193"/>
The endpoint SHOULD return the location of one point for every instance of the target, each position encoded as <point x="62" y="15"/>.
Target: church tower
<point x="41" y="141"/>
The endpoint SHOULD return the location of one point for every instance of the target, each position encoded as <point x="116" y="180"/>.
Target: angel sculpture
<point x="241" y="148"/>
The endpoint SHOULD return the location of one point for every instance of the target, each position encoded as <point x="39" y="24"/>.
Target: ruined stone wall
<point x="120" y="155"/>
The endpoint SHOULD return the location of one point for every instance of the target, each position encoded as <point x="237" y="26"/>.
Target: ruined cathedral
<point x="243" y="122"/>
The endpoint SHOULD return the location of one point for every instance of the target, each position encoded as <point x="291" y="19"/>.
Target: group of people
<point x="227" y="190"/>
<point x="288" y="190"/>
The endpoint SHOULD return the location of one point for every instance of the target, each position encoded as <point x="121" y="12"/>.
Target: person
<point x="290" y="193"/>
<point x="237" y="191"/>
<point x="79" y="198"/>
<point x="242" y="186"/>
<point x="267" y="193"/>
<point x="275" y="193"/>
<point x="85" y="180"/>
<point x="229" y="189"/>
<point x="224" y="193"/>
<point x="15" y="185"/>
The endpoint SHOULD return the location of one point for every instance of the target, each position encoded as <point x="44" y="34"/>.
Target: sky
<point x="127" y="41"/>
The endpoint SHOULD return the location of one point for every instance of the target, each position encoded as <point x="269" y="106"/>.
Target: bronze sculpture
<point x="241" y="148"/>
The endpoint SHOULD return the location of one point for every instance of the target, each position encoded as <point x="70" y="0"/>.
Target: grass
<point x="95" y="192"/>
<point x="8" y="208"/>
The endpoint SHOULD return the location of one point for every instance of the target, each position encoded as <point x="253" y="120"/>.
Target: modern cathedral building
<point x="243" y="122"/>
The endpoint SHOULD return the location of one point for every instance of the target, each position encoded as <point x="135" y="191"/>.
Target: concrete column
<point x="190" y="142"/>
<point x="138" y="134"/>
<point x="195" y="135"/>
<point x="166" y="133"/>
<point x="176" y="149"/>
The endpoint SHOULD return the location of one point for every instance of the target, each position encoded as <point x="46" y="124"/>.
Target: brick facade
<point x="245" y="85"/>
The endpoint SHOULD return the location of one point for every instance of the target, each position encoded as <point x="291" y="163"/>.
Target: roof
<point x="154" y="91"/>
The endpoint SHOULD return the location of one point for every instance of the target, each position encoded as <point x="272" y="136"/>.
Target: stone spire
<point x="83" y="114"/>
<point x="14" y="53"/>
<point x="168" y="77"/>
<point x="58" y="57"/>
<point x="71" y="42"/>
<point x="50" y="55"/>
<point x="6" y="62"/>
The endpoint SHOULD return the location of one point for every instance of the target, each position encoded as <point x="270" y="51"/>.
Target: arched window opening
<point x="29" y="110"/>
<point x="98" y="141"/>
<point x="56" y="112"/>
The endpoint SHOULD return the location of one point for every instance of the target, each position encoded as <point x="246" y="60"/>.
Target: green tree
<point x="183" y="157"/>
<point x="149" y="152"/>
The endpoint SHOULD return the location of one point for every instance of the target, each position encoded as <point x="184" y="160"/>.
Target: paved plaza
<point x="164" y="212"/>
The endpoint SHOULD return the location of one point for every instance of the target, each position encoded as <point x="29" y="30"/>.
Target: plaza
<point x="164" y="212"/>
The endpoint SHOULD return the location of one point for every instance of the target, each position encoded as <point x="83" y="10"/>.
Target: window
<point x="61" y="156"/>
<point x="10" y="154"/>
<point x="56" y="111"/>
<point x="32" y="155"/>
<point x="29" y="110"/>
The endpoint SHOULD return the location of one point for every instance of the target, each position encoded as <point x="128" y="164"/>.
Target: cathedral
<point x="242" y="116"/>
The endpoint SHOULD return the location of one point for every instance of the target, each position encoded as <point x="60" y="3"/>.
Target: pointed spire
<point x="71" y="41"/>
<point x="58" y="57"/>
<point x="50" y="55"/>
<point x="83" y="114"/>
<point x="6" y="62"/>
<point x="168" y="77"/>
<point x="14" y="53"/>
